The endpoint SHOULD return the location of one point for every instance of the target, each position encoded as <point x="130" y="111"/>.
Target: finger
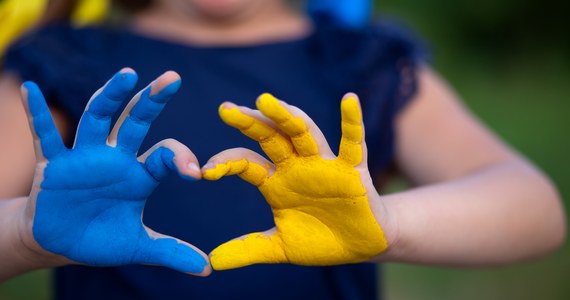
<point x="245" y="163"/>
<point x="352" y="143"/>
<point x="95" y="123"/>
<point x="173" y="253"/>
<point x="133" y="124"/>
<point x="47" y="141"/>
<point x="322" y="144"/>
<point x="254" y="248"/>
<point x="293" y="126"/>
<point x="276" y="146"/>
<point x="171" y="156"/>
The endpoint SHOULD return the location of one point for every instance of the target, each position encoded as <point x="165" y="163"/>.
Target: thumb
<point x="173" y="253"/>
<point x="169" y="156"/>
<point x="254" y="248"/>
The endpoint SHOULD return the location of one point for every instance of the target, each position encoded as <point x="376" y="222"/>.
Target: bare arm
<point x="480" y="204"/>
<point x="17" y="161"/>
<point x="20" y="253"/>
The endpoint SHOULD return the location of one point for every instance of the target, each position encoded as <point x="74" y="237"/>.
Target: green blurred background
<point x="510" y="61"/>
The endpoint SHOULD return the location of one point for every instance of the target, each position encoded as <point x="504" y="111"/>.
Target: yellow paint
<point x="88" y="12"/>
<point x="320" y="207"/>
<point x="277" y="147"/>
<point x="248" y="171"/>
<point x="18" y="16"/>
<point x="352" y="132"/>
<point x="292" y="126"/>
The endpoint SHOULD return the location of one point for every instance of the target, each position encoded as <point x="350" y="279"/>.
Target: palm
<point x="320" y="206"/>
<point x="88" y="201"/>
<point x="106" y="190"/>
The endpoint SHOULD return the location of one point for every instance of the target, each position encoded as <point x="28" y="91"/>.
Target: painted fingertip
<point x="350" y="110"/>
<point x="27" y="86"/>
<point x="121" y="84"/>
<point x="225" y="106"/>
<point x="158" y="85"/>
<point x="214" y="171"/>
<point x="267" y="98"/>
<point x="162" y="94"/>
<point x="127" y="75"/>
<point x="33" y="97"/>
<point x="206" y="272"/>
<point x="127" y="70"/>
<point x="168" y="157"/>
<point x="350" y="97"/>
<point x="221" y="108"/>
<point x="198" y="263"/>
<point x="276" y="110"/>
<point x="235" y="117"/>
<point x="195" y="263"/>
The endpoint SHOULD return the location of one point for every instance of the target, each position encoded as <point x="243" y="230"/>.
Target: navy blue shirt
<point x="313" y="73"/>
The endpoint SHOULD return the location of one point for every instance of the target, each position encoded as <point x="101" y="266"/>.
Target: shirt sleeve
<point x="379" y="63"/>
<point x="387" y="84"/>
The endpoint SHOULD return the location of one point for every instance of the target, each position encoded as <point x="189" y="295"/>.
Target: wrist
<point x="29" y="252"/>
<point x="386" y="215"/>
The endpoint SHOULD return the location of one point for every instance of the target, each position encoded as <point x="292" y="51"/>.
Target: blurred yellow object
<point x="17" y="16"/>
<point x="89" y="12"/>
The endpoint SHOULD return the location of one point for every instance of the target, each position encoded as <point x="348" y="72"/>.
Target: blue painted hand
<point x="87" y="202"/>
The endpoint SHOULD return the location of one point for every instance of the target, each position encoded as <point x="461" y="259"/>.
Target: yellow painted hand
<point x="319" y="202"/>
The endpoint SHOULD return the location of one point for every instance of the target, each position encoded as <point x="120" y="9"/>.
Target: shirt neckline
<point x="129" y="32"/>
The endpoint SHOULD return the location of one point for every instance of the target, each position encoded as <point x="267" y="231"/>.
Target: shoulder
<point x="381" y="42"/>
<point x="381" y="57"/>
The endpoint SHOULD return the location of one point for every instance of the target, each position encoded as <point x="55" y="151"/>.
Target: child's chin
<point x="221" y="9"/>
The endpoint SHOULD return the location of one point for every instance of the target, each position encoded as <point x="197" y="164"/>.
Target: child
<point x="480" y="204"/>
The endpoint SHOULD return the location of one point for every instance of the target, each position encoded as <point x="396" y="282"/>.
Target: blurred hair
<point x="61" y="10"/>
<point x="58" y="10"/>
<point x="131" y="6"/>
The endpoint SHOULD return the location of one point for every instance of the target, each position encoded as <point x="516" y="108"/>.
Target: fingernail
<point x="126" y="71"/>
<point x="208" y="165"/>
<point x="226" y="105"/>
<point x="165" y="92"/>
<point x="193" y="167"/>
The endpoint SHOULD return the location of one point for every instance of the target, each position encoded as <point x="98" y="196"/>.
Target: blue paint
<point x="350" y="13"/>
<point x="161" y="163"/>
<point x="136" y="125"/>
<point x="92" y="196"/>
<point x="96" y="120"/>
<point x="44" y="127"/>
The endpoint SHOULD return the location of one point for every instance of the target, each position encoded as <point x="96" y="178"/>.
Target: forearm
<point x="501" y="214"/>
<point x="18" y="251"/>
